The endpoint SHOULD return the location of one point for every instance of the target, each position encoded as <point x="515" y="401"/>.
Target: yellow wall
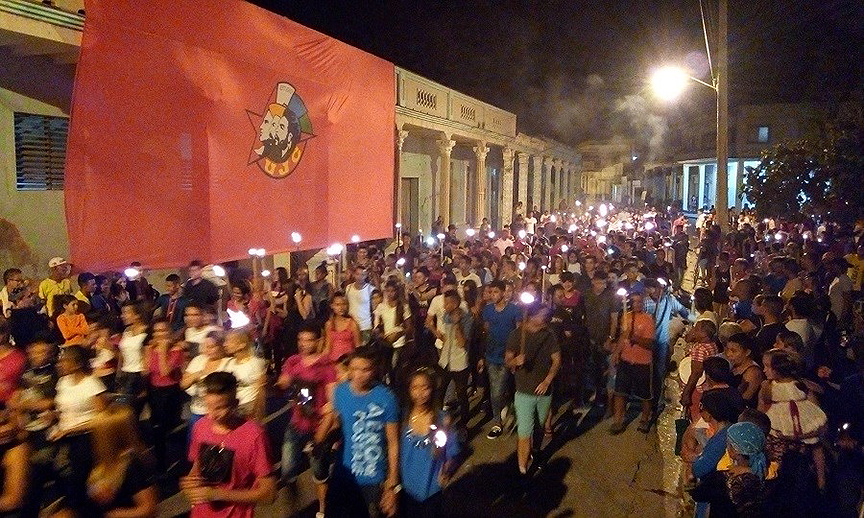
<point x="37" y="215"/>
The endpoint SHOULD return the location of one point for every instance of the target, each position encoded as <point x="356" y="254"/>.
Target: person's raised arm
<point x="696" y="370"/>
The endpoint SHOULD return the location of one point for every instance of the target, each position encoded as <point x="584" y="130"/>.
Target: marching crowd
<point x="573" y="311"/>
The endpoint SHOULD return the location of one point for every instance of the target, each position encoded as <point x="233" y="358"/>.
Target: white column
<point x="547" y="192"/>
<point x="523" y="180"/>
<point x="445" y="147"/>
<point x="480" y="151"/>
<point x="538" y="175"/>
<point x="506" y="206"/>
<point x="400" y="140"/>
<point x="685" y="187"/>
<point x="701" y="186"/>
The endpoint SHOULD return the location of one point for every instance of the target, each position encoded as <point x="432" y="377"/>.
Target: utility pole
<point x="721" y="202"/>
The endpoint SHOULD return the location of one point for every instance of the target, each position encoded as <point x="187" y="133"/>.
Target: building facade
<point x="458" y="159"/>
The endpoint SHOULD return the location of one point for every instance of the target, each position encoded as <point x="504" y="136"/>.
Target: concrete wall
<point x="38" y="216"/>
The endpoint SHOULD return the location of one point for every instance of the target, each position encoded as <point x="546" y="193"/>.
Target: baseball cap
<point x="56" y="261"/>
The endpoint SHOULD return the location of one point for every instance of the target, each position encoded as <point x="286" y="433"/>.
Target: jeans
<point x="292" y="450"/>
<point x="166" y="404"/>
<point x="460" y="382"/>
<point x="498" y="375"/>
<point x="595" y="363"/>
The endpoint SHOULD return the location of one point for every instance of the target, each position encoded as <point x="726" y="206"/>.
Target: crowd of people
<point x="557" y="313"/>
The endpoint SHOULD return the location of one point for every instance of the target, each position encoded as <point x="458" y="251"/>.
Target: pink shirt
<point x="251" y="460"/>
<point x="11" y="367"/>
<point x="342" y="342"/>
<point x="317" y="375"/>
<point x="643" y="327"/>
<point x="175" y="368"/>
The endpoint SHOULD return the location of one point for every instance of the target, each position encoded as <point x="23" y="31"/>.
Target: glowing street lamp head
<point x="335" y="249"/>
<point x="218" y="271"/>
<point x="131" y="273"/>
<point x="296" y="237"/>
<point x="522" y="234"/>
<point x="265" y="273"/>
<point x="527" y="298"/>
<point x="355" y="238"/>
<point x="440" y="237"/>
<point x="470" y="232"/>
<point x="398" y="225"/>
<point x="253" y="251"/>
<point x="669" y="83"/>
<point x="430" y="241"/>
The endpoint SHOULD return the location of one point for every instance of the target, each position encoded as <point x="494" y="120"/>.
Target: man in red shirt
<point x="231" y="469"/>
<point x="633" y="377"/>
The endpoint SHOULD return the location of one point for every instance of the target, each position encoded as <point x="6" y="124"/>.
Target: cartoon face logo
<point x="282" y="132"/>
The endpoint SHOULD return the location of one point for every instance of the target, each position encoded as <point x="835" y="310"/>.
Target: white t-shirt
<point x="460" y="280"/>
<point x="503" y="244"/>
<point x="5" y="305"/>
<point x="838" y="294"/>
<point x="436" y="307"/>
<point x="249" y="375"/>
<point x="132" y="351"/>
<point x="530" y="223"/>
<point x="452" y="357"/>
<point x="75" y="401"/>
<point x="196" y="405"/>
<point x="197" y="336"/>
<point x="359" y="305"/>
<point x="386" y="314"/>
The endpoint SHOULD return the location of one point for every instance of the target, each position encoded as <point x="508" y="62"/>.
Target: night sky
<point x="574" y="70"/>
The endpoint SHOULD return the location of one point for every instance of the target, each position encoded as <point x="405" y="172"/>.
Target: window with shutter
<point x="40" y="151"/>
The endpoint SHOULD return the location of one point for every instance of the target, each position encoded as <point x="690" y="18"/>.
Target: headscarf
<point x="748" y="439"/>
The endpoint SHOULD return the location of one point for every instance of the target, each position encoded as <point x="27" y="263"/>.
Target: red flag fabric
<point x="202" y="129"/>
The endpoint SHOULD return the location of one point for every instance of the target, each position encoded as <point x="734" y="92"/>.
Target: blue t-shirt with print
<point x="501" y="323"/>
<point x="363" y="418"/>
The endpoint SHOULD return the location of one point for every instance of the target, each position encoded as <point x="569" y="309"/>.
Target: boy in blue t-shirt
<point x="368" y="414"/>
<point x="500" y="318"/>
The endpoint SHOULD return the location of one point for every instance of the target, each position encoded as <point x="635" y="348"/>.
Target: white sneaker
<point x="319" y="514"/>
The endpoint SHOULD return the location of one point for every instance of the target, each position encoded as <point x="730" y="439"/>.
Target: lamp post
<point x="669" y="82"/>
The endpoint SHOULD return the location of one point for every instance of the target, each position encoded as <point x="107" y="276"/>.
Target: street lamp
<point x="669" y="82"/>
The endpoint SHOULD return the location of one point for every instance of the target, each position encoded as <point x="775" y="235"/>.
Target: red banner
<point x="202" y="129"/>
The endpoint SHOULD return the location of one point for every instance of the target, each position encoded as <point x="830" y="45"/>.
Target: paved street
<point x="584" y="471"/>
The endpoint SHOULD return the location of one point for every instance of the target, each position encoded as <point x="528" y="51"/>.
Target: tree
<point x="816" y="176"/>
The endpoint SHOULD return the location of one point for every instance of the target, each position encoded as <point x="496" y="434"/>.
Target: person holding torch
<point x="534" y="356"/>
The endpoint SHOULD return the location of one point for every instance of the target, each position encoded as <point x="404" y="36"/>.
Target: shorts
<point x="527" y="406"/>
<point x="632" y="379"/>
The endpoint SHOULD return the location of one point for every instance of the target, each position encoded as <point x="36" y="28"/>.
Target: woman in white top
<point x="211" y="359"/>
<point x="393" y="318"/>
<point x="80" y="397"/>
<point x="250" y="371"/>
<point x="130" y="380"/>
